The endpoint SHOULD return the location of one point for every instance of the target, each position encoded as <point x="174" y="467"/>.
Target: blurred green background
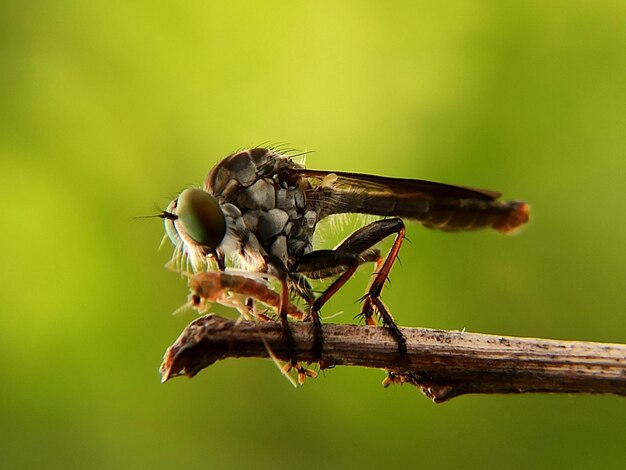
<point x="108" y="109"/>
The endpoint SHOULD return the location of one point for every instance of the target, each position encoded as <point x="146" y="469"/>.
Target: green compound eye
<point x="200" y="216"/>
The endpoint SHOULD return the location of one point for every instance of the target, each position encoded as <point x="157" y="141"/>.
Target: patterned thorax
<point x="265" y="212"/>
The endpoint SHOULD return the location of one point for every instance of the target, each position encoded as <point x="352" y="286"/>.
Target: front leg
<point x="278" y="269"/>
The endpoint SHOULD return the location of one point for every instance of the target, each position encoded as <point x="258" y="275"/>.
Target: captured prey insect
<point x="259" y="208"/>
<point x="238" y="290"/>
<point x="244" y="291"/>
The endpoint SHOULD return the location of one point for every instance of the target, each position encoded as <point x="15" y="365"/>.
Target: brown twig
<point x="442" y="364"/>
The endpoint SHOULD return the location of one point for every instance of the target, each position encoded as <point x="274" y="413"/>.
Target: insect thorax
<point x="266" y="212"/>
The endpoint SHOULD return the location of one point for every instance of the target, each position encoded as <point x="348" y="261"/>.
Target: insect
<point x="243" y="291"/>
<point x="236" y="290"/>
<point x="260" y="208"/>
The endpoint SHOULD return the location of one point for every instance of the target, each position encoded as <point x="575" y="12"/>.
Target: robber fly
<point x="260" y="208"/>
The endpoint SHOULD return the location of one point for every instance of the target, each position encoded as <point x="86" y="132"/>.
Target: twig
<point x="442" y="364"/>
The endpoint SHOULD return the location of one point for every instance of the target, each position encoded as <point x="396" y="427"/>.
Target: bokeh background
<point x="108" y="109"/>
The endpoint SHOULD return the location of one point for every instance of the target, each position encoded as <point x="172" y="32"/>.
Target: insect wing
<point x="360" y="182"/>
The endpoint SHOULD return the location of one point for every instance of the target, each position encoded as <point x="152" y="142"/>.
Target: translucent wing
<point x="399" y="186"/>
<point x="435" y="205"/>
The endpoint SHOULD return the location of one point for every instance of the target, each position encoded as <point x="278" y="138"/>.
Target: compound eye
<point x="200" y="216"/>
<point x="196" y="300"/>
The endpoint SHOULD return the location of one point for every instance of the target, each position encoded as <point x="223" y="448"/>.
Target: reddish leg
<point x="372" y="298"/>
<point x="345" y="259"/>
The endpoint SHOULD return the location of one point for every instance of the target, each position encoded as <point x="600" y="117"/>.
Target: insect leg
<point x="362" y="240"/>
<point x="344" y="260"/>
<point x="318" y="265"/>
<point x="278" y="269"/>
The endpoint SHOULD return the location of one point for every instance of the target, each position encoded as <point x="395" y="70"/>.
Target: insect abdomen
<point x="464" y="214"/>
<point x="449" y="214"/>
